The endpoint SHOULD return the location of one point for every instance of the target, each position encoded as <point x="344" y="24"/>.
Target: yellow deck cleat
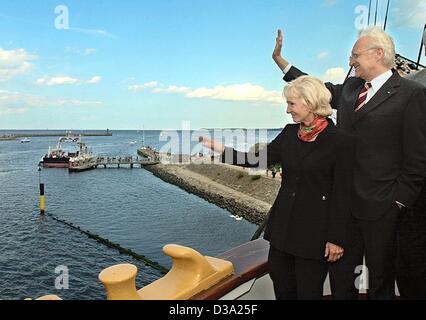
<point x="191" y="273"/>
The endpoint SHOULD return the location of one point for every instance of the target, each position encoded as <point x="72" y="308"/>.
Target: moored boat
<point x="85" y="160"/>
<point x="70" y="138"/>
<point x="57" y="157"/>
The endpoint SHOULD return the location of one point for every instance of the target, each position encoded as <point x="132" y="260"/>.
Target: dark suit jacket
<point x="311" y="206"/>
<point x="391" y="142"/>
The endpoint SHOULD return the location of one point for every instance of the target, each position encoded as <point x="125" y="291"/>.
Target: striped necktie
<point x="362" y="96"/>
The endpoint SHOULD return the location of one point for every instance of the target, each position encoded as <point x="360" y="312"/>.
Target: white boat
<point x="25" y="140"/>
<point x="84" y="161"/>
<point x="70" y="138"/>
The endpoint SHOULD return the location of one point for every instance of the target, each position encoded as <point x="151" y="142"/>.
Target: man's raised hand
<point x="278" y="45"/>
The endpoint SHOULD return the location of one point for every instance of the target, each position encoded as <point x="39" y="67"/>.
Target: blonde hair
<point x="381" y="40"/>
<point x="313" y="93"/>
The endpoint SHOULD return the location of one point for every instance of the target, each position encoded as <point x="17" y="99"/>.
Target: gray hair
<point x="381" y="40"/>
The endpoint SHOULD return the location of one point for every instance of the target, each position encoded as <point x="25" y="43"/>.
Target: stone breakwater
<point x="232" y="189"/>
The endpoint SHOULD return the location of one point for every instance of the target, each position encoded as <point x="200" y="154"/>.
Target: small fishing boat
<point x="57" y="157"/>
<point x="85" y="160"/>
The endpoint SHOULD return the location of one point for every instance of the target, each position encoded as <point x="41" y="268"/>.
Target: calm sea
<point x="130" y="207"/>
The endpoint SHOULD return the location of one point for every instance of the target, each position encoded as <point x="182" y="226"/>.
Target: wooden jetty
<point x="126" y="161"/>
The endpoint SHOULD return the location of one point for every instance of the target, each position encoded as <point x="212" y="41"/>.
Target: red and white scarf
<point x="311" y="132"/>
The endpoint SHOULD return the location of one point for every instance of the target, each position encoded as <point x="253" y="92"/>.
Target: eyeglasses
<point x="355" y="56"/>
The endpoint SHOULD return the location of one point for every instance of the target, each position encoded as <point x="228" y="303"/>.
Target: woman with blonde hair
<point x="307" y="225"/>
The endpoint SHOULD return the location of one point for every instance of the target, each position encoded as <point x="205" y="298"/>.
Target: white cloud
<point x="172" y="89"/>
<point x="238" y="92"/>
<point x="40" y="81"/>
<point x="81" y="52"/>
<point x="57" y="81"/>
<point x="409" y="13"/>
<point x="94" y="32"/>
<point x="89" y="51"/>
<point x="141" y="87"/>
<point x="334" y="75"/>
<point x="77" y="103"/>
<point x="16" y="102"/>
<point x="66" y="80"/>
<point x="11" y="111"/>
<point x="95" y="79"/>
<point x="323" y="55"/>
<point x="14" y="63"/>
<point x="246" y="92"/>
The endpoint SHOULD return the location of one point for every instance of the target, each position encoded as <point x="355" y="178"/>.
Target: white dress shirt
<point x="377" y="83"/>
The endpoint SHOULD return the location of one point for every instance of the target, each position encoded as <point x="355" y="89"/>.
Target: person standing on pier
<point x="387" y="115"/>
<point x="306" y="227"/>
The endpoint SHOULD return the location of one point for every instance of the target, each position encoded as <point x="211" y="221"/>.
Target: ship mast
<point x="375" y="15"/>
<point x="422" y="42"/>
<point x="386" y="17"/>
<point x="143" y="135"/>
<point x="369" y="10"/>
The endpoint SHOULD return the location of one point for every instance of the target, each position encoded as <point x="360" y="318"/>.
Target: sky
<point x="154" y="64"/>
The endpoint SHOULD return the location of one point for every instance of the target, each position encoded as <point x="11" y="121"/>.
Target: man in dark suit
<point x="387" y="115"/>
<point x="411" y="262"/>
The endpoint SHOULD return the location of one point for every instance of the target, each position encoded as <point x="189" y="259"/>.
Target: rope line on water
<point x="113" y="245"/>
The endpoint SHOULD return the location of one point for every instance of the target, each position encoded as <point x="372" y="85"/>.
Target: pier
<point x="126" y="161"/>
<point x="8" y="137"/>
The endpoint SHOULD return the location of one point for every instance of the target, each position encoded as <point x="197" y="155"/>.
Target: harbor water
<point x="130" y="207"/>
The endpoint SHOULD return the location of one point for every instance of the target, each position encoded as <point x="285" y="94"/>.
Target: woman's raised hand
<point x="211" y="144"/>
